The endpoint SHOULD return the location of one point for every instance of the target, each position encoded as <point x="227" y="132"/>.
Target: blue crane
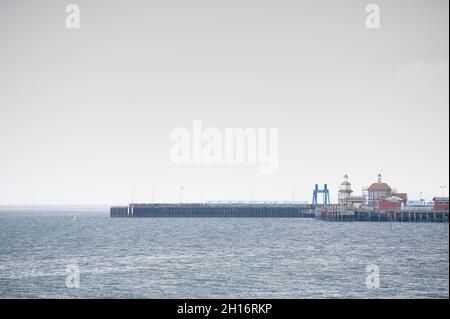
<point x="324" y="191"/>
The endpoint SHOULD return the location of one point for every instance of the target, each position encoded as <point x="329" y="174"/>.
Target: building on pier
<point x="377" y="191"/>
<point x="355" y="201"/>
<point x="393" y="201"/>
<point x="416" y="203"/>
<point x="345" y="197"/>
<point x="345" y="191"/>
<point x="440" y="203"/>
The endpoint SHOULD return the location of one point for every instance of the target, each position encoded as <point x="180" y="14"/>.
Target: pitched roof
<point x="380" y="187"/>
<point x="403" y="196"/>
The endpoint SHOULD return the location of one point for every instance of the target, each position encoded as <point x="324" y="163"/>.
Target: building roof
<point x="440" y="198"/>
<point x="380" y="187"/>
<point x="403" y="196"/>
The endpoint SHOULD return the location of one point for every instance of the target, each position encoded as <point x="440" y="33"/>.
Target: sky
<point x="86" y="114"/>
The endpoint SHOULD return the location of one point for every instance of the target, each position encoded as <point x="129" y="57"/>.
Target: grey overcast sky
<point x="86" y="114"/>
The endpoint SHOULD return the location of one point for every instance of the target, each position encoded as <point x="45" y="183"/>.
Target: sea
<point x="80" y="252"/>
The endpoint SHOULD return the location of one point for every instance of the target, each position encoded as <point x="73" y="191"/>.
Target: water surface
<point x="216" y="258"/>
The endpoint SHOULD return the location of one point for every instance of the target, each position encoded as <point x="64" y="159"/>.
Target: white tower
<point x="345" y="191"/>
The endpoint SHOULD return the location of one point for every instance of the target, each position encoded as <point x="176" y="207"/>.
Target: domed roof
<point x="380" y="187"/>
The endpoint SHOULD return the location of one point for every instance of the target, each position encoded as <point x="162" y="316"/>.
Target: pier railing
<point x="376" y="215"/>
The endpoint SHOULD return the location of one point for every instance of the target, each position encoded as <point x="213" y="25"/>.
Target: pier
<point x="332" y="213"/>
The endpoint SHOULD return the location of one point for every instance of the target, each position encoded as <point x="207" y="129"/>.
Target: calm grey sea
<point x="216" y="258"/>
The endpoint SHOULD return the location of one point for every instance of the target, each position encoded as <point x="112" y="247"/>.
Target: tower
<point x="345" y="191"/>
